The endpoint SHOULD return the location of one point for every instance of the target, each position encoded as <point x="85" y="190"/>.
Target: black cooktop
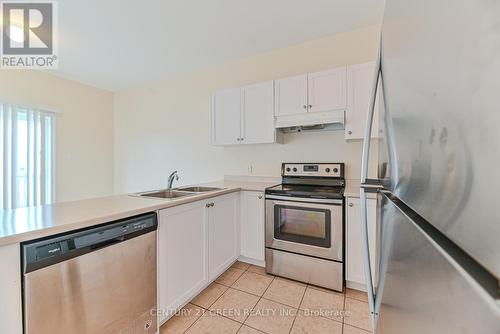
<point x="308" y="191"/>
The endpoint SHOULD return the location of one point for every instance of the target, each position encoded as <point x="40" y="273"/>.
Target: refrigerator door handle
<point x="364" y="175"/>
<point x="369" y="118"/>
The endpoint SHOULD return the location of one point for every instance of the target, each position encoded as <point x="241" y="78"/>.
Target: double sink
<point x="178" y="192"/>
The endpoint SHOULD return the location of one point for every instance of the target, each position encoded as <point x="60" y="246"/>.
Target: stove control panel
<point x="318" y="170"/>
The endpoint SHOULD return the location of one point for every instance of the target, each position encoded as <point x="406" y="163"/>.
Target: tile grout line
<point x="298" y="309"/>
<point x="322" y="316"/>
<point x="204" y="310"/>
<point x="343" y="321"/>
<point x="260" y="298"/>
<point x="231" y="287"/>
<point x="208" y="309"/>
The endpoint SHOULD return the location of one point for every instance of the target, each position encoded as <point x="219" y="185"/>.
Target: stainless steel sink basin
<point x="199" y="189"/>
<point x="167" y="194"/>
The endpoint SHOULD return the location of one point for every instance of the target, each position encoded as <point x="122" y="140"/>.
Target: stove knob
<point x="294" y="169"/>
<point x="288" y="169"/>
<point x="327" y="170"/>
<point x="335" y="170"/>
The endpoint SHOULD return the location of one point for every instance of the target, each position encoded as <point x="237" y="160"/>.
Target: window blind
<point x="27" y="143"/>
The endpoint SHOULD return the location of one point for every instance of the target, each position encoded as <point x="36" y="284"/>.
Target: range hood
<point x="328" y="120"/>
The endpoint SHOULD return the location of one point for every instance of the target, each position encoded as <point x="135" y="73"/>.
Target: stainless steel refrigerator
<point x="438" y="194"/>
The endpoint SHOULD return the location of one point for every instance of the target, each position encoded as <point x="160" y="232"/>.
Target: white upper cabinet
<point x="244" y="115"/>
<point x="338" y="97"/>
<point x="291" y="95"/>
<point x="359" y="83"/>
<point x="327" y="90"/>
<point x="226" y="117"/>
<point x="311" y="99"/>
<point x="257" y="121"/>
<point x="313" y="92"/>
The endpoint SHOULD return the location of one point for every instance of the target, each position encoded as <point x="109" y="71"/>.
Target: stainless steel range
<point x="305" y="224"/>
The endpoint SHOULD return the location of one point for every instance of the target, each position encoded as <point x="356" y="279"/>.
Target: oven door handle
<point x="306" y="200"/>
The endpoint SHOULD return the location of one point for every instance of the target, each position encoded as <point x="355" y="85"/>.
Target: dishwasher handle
<point x="107" y="243"/>
<point x="44" y="252"/>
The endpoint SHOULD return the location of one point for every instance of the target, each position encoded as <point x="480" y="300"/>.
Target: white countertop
<point x="40" y="221"/>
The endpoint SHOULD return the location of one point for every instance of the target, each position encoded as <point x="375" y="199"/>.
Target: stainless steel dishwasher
<point x="92" y="281"/>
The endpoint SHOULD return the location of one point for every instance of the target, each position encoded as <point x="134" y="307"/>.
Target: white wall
<point x="165" y="126"/>
<point x="84" y="129"/>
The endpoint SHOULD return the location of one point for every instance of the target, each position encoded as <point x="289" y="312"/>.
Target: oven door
<point x="306" y="226"/>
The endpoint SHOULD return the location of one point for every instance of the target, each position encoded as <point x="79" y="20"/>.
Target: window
<point x="27" y="160"/>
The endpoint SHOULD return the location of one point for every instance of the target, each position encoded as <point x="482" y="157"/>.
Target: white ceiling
<point x="116" y="44"/>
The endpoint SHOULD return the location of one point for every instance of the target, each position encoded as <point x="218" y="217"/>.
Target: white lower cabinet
<point x="182" y="255"/>
<point x="252" y="226"/>
<point x="355" y="275"/>
<point x="196" y="243"/>
<point x="224" y="233"/>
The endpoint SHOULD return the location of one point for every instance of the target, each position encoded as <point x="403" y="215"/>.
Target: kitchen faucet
<point x="171" y="179"/>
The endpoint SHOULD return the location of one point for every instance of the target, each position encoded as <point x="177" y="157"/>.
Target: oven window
<point x="303" y="225"/>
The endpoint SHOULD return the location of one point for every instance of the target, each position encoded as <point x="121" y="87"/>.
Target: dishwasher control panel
<point x="40" y="253"/>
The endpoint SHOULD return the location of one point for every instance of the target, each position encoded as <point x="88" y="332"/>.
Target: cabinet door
<point x="291" y="95"/>
<point x="182" y="255"/>
<point x="359" y="82"/>
<point x="224" y="233"/>
<point x="252" y="225"/>
<point x="257" y="108"/>
<point x="327" y="90"/>
<point x="226" y="110"/>
<point x="354" y="258"/>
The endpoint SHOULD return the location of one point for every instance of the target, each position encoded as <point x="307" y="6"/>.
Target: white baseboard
<point x="255" y="262"/>
<point x="355" y="285"/>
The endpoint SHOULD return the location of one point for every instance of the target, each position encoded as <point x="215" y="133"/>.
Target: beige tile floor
<point x="246" y="300"/>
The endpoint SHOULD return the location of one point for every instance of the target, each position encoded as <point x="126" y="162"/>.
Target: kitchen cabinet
<point x="226" y="117"/>
<point x="359" y="89"/>
<point x="224" y="233"/>
<point x="244" y="115"/>
<point x="182" y="255"/>
<point x="327" y="90"/>
<point x="355" y="275"/>
<point x="291" y="95"/>
<point x="11" y="316"/>
<point x="252" y="227"/>
<point x="314" y="92"/>
<point x="196" y="243"/>
<point x="257" y="110"/>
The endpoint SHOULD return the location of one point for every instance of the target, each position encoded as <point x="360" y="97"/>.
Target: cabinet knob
<point x="305" y="107"/>
<point x="310" y="106"/>
<point x="260" y="196"/>
<point x="349" y="132"/>
<point x="351" y="205"/>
